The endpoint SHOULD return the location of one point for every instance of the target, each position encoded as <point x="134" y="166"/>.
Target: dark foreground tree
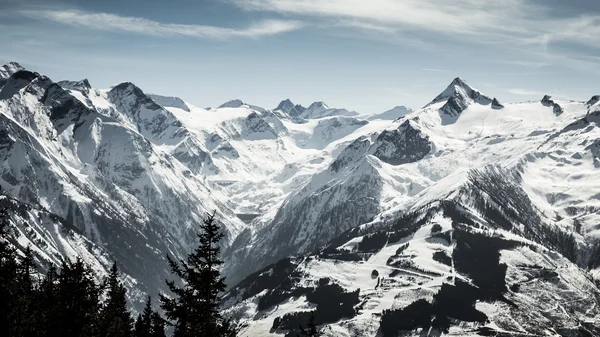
<point x="157" y="324"/>
<point x="194" y="307"/>
<point x="77" y="301"/>
<point x="115" y="320"/>
<point x="311" y="327"/>
<point x="143" y="324"/>
<point x="8" y="274"/>
<point x="149" y="323"/>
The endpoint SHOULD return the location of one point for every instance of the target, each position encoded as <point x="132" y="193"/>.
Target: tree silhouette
<point x="194" y="307"/>
<point x="115" y="320"/>
<point x="78" y="302"/>
<point x="143" y="324"/>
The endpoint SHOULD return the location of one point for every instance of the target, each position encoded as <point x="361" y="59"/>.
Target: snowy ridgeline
<point x="128" y="175"/>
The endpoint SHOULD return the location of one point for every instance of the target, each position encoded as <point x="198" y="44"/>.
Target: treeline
<point x="71" y="302"/>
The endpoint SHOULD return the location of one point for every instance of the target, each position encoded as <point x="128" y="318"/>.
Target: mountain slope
<point x="322" y="193"/>
<point x="441" y="269"/>
<point x="98" y="162"/>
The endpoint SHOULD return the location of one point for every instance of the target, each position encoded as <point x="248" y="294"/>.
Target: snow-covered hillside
<point x="127" y="175"/>
<point x="527" y="170"/>
<point x="106" y="162"/>
<point x="440" y="270"/>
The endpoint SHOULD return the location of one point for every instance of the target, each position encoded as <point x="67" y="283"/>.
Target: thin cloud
<point x="528" y="64"/>
<point x="434" y="70"/>
<point x="485" y="21"/>
<point x="524" y="92"/>
<point x="116" y="23"/>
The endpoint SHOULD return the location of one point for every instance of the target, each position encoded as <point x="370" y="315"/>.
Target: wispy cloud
<point x="434" y="70"/>
<point x="486" y="21"/>
<point x="116" y="23"/>
<point x="527" y="64"/>
<point x="524" y="92"/>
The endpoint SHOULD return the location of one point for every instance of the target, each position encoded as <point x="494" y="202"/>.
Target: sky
<point x="367" y="56"/>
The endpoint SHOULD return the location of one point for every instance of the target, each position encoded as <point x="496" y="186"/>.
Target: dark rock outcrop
<point x="556" y="108"/>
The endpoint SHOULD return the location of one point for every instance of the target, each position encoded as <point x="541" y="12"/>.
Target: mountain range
<point x="465" y="217"/>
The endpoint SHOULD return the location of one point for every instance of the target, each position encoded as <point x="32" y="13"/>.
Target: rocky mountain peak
<point x="170" y="102"/>
<point x="288" y="107"/>
<point x="459" y="89"/>
<point x="285" y="105"/>
<point x="496" y="104"/>
<point x="9" y="69"/>
<point x="319" y="105"/>
<point x="83" y="85"/>
<point x="595" y="99"/>
<point x="234" y="103"/>
<point x="549" y="102"/>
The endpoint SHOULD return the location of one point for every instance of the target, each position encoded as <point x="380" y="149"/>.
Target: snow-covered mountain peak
<point x="83" y="85"/>
<point x="234" y="103"/>
<point x="17" y="81"/>
<point x="317" y="106"/>
<point x="320" y="110"/>
<point x="129" y="93"/>
<point x="126" y="86"/>
<point x="460" y="90"/>
<point x="170" y="102"/>
<point x="289" y="108"/>
<point x="285" y="105"/>
<point x="595" y="99"/>
<point x="9" y="69"/>
<point x="456" y="98"/>
<point x="392" y="114"/>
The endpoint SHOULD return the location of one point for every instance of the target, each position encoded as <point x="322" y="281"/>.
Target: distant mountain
<point x="170" y="102"/>
<point x="430" y="213"/>
<point x="392" y="114"/>
<point x="470" y="215"/>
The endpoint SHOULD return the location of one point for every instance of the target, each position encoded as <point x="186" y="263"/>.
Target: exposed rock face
<point x="483" y="218"/>
<point x="173" y="102"/>
<point x="556" y="108"/>
<point x="236" y="103"/>
<point x="82" y="86"/>
<point x="406" y="144"/>
<point x="496" y="104"/>
<point x="595" y="99"/>
<point x="7" y="70"/>
<point x="458" y="96"/>
<point x="290" y="109"/>
<point x="99" y="169"/>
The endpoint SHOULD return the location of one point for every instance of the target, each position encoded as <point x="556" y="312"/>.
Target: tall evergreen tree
<point x="9" y="269"/>
<point x="143" y="324"/>
<point x="158" y="325"/>
<point x="78" y="301"/>
<point x="194" y="307"/>
<point x="114" y="318"/>
<point x="24" y="312"/>
<point x="47" y="299"/>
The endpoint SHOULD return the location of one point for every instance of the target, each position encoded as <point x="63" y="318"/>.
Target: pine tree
<point x="114" y="318"/>
<point x="47" y="299"/>
<point x="158" y="325"/>
<point x="9" y="269"/>
<point x="78" y="301"/>
<point x="139" y="330"/>
<point x="24" y="307"/>
<point x="193" y="309"/>
<point x="143" y="324"/>
<point x="311" y="327"/>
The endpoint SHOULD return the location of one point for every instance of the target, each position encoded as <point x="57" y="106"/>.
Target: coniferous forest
<point x="71" y="301"/>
